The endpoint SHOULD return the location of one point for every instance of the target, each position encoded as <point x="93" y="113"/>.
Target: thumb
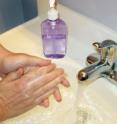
<point x="28" y="60"/>
<point x="20" y="60"/>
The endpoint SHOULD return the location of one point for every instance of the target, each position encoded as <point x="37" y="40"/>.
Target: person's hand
<point x="13" y="61"/>
<point x="10" y="61"/>
<point x="20" y="92"/>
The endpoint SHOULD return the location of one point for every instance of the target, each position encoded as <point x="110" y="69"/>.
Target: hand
<point x="14" y="61"/>
<point x="19" y="93"/>
<point x="56" y="93"/>
<point x="10" y="61"/>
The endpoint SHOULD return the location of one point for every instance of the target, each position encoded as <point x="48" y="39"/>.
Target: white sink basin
<point x="94" y="104"/>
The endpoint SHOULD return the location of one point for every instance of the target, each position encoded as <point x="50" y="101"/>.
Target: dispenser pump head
<point x="52" y="3"/>
<point x="53" y="14"/>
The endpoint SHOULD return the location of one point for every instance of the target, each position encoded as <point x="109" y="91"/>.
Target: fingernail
<point x="59" y="99"/>
<point x="67" y="84"/>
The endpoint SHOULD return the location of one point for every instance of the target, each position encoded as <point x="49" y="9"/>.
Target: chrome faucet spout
<point x="103" y="64"/>
<point x="93" y="71"/>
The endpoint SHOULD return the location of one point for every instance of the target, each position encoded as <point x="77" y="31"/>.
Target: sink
<point x="92" y="104"/>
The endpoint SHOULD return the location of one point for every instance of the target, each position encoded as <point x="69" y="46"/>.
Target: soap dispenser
<point x="54" y="34"/>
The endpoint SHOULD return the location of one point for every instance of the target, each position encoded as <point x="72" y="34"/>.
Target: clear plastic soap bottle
<point x="54" y="34"/>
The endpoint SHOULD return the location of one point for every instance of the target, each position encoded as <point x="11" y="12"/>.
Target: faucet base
<point x="103" y="64"/>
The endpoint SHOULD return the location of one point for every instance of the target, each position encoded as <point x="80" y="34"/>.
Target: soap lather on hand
<point x="27" y="81"/>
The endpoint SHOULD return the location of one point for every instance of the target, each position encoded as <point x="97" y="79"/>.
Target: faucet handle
<point x="101" y="51"/>
<point x="107" y="50"/>
<point x="105" y="44"/>
<point x="97" y="46"/>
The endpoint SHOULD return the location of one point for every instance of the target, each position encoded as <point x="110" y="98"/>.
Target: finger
<point x="45" y="79"/>
<point x="37" y="74"/>
<point x="57" y="95"/>
<point x="38" y="71"/>
<point x="35" y="70"/>
<point x="65" y="82"/>
<point x="45" y="103"/>
<point x="31" y="83"/>
<point x="28" y="60"/>
<point x="23" y="60"/>
<point x="14" y="75"/>
<point x="41" y="98"/>
<point x="54" y="74"/>
<point x="47" y="69"/>
<point x="46" y="88"/>
<point x="36" y="86"/>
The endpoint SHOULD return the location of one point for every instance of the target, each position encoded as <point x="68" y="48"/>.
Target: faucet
<point x="101" y="64"/>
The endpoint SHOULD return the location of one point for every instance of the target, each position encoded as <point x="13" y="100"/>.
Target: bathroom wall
<point x="104" y="11"/>
<point x="29" y="9"/>
<point x="11" y="14"/>
<point x="15" y="12"/>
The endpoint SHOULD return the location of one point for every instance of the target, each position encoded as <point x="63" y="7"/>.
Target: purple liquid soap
<point x="54" y="33"/>
<point x="54" y="36"/>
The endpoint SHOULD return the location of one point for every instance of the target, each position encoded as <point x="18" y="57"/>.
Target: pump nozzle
<point x="52" y="3"/>
<point x="53" y="13"/>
